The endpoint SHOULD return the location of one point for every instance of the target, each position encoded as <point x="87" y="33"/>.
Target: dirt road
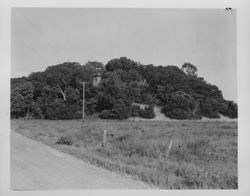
<point x="35" y="166"/>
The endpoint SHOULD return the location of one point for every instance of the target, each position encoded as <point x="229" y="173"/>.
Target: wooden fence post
<point x="83" y="102"/>
<point x="104" y="139"/>
<point x="169" y="148"/>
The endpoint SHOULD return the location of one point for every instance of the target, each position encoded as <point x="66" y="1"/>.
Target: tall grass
<point x="203" y="154"/>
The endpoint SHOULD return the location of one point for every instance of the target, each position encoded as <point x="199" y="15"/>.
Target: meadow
<point x="203" y="154"/>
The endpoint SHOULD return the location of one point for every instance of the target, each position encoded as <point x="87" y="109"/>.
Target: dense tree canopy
<point x="189" y="69"/>
<point x="21" y="99"/>
<point x="56" y="93"/>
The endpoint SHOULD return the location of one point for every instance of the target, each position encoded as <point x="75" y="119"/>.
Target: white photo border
<point x="243" y="60"/>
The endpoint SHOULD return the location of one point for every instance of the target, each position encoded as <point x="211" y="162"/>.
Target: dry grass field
<point x="203" y="154"/>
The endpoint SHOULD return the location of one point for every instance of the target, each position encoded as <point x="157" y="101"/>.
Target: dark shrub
<point x="180" y="105"/>
<point x="135" y="110"/>
<point x="179" y="100"/>
<point x="147" y="112"/>
<point x="122" y="63"/>
<point x="104" y="102"/>
<point x="222" y="107"/>
<point x="231" y="181"/>
<point x="179" y="114"/>
<point x="228" y="108"/>
<point x="65" y="140"/>
<point x="37" y="112"/>
<point x="107" y="114"/>
<point x="210" y="113"/>
<point x="209" y="108"/>
<point x="232" y="110"/>
<point x="58" y="109"/>
<point x="90" y="106"/>
<point x="197" y="115"/>
<point x="121" y="110"/>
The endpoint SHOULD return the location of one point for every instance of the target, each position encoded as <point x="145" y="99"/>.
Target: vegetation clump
<point x="57" y="92"/>
<point x="65" y="140"/>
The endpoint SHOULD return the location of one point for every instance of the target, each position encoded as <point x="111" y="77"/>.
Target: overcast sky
<point x="49" y="36"/>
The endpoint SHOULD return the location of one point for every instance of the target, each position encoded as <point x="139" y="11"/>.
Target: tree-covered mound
<point x="57" y="92"/>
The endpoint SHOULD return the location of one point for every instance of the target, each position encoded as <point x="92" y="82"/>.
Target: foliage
<point x="21" y="99"/>
<point x="107" y="114"/>
<point x="58" y="109"/>
<point x="121" y="110"/>
<point x="65" y="140"/>
<point x="189" y="69"/>
<point x="231" y="109"/>
<point x="210" y="108"/>
<point x="180" y="100"/>
<point x="135" y="111"/>
<point x="179" y="114"/>
<point x="122" y="63"/>
<point x="17" y="82"/>
<point x="147" y="112"/>
<point x="96" y="68"/>
<point x="180" y="105"/>
<point x="57" y="92"/>
<point x="37" y="111"/>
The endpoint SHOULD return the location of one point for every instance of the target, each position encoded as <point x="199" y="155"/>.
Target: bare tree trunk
<point x="63" y="94"/>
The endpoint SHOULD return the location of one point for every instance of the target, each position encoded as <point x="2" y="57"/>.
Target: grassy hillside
<point x="203" y="154"/>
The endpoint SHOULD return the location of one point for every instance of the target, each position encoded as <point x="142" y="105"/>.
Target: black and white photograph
<point x="116" y="98"/>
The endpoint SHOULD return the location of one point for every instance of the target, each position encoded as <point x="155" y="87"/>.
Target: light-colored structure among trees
<point x="96" y="79"/>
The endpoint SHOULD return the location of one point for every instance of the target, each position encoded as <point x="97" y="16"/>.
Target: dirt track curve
<point x="35" y="166"/>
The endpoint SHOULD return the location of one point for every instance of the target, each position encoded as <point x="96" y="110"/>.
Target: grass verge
<point x="203" y="154"/>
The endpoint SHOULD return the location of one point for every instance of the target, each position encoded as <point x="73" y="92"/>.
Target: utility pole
<point x="83" y="100"/>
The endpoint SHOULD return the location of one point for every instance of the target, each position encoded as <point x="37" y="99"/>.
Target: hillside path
<point x="35" y="166"/>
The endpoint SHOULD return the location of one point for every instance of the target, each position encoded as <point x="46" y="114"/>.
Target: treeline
<point x="56" y="93"/>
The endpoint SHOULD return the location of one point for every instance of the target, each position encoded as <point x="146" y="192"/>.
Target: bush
<point x="178" y="114"/>
<point x="208" y="112"/>
<point x="135" y="110"/>
<point x="104" y="102"/>
<point x="232" y="110"/>
<point x="65" y="140"/>
<point x="107" y="114"/>
<point x="147" y="113"/>
<point x="210" y="107"/>
<point x="58" y="109"/>
<point x="180" y="100"/>
<point x="90" y="106"/>
<point x="37" y="112"/>
<point x="121" y="110"/>
<point x="197" y="115"/>
<point x="180" y="105"/>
